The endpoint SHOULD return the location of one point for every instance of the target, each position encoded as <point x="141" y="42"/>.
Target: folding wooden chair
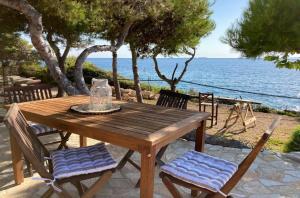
<point x="19" y="94"/>
<point x="212" y="176"/>
<point x="208" y="100"/>
<point x="166" y="98"/>
<point x="61" y="166"/>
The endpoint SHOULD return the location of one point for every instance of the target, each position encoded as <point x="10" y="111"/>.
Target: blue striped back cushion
<point x="84" y="160"/>
<point x="39" y="129"/>
<point x="201" y="170"/>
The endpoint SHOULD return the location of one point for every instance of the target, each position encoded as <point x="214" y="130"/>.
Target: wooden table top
<point x="132" y="127"/>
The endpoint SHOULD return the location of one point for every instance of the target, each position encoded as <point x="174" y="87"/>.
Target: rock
<point x="153" y="97"/>
<point x="126" y="97"/>
<point x="124" y="92"/>
<point x="132" y="93"/>
<point x="146" y="94"/>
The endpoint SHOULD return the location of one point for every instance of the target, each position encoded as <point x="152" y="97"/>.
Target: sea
<point x="249" y="75"/>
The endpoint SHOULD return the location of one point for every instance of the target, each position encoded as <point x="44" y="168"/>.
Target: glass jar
<point x="101" y="95"/>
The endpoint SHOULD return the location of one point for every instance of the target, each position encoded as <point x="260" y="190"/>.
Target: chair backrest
<point x="206" y="97"/>
<point x="169" y="98"/>
<point x="32" y="148"/>
<point x="246" y="163"/>
<point x="19" y="94"/>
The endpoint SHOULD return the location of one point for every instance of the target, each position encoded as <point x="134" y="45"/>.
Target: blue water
<point x="243" y="74"/>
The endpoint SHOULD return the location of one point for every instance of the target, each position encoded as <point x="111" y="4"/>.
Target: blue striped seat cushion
<point x="201" y="170"/>
<point x="84" y="160"/>
<point x="40" y="129"/>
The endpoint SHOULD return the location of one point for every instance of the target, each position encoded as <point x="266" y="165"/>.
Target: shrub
<point x="294" y="143"/>
<point x="264" y="109"/>
<point x="36" y="70"/>
<point x="89" y="71"/>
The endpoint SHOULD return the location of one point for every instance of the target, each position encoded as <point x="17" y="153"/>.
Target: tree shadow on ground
<point x="217" y="139"/>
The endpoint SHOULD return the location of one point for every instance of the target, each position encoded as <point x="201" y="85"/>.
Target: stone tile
<point x="269" y="183"/>
<point x="255" y="186"/>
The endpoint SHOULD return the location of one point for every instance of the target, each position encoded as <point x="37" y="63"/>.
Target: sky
<point x="225" y="13"/>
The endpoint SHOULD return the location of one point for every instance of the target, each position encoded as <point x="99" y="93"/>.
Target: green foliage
<point x="37" y="71"/>
<point x="276" y="144"/>
<point x="15" y="51"/>
<point x="89" y="71"/>
<point x="294" y="142"/>
<point x="264" y="109"/>
<point x="268" y="28"/>
<point x="180" y="25"/>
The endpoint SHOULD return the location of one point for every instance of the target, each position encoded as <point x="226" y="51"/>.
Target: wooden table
<point x="141" y="127"/>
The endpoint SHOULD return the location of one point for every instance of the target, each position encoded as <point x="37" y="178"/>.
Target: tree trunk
<point x="78" y="73"/>
<point x="60" y="91"/>
<point x="115" y="75"/>
<point x="136" y="77"/>
<point x="36" y="33"/>
<point x="60" y="57"/>
<point x="173" y="87"/>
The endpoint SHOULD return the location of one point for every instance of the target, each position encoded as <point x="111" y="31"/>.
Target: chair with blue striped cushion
<point x="210" y="175"/>
<point x="70" y="165"/>
<point x="19" y="94"/>
<point x="80" y="161"/>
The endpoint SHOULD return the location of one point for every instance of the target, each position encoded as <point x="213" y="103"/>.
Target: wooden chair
<point x="62" y="166"/>
<point x="166" y="98"/>
<point x="19" y="94"/>
<point x="213" y="176"/>
<point x="208" y="100"/>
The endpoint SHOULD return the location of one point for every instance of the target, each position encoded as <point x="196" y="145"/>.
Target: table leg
<point x="17" y="161"/>
<point x="199" y="145"/>
<point x="83" y="141"/>
<point x="147" y="173"/>
<point x="200" y="137"/>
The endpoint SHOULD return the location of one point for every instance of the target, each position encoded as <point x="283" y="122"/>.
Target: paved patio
<point x="270" y="176"/>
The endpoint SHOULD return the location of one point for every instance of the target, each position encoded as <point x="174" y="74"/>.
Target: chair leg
<point x="63" y="193"/>
<point x="212" y="115"/>
<point x="160" y="154"/>
<point x="138" y="183"/>
<point x="79" y="187"/>
<point x="48" y="193"/>
<point x="29" y="167"/>
<point x="202" y="195"/>
<point x="64" y="139"/>
<point x="217" y="112"/>
<point x="125" y="159"/>
<point x="171" y="187"/>
<point x="97" y="185"/>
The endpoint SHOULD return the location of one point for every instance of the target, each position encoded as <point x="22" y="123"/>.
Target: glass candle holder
<point x="101" y="95"/>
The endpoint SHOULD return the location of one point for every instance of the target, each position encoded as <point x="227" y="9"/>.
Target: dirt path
<point x="250" y="137"/>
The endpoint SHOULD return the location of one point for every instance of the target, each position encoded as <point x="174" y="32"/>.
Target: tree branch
<point x="156" y="67"/>
<point x="66" y="52"/>
<point x="174" y="71"/>
<point x="187" y="63"/>
<point x="53" y="45"/>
